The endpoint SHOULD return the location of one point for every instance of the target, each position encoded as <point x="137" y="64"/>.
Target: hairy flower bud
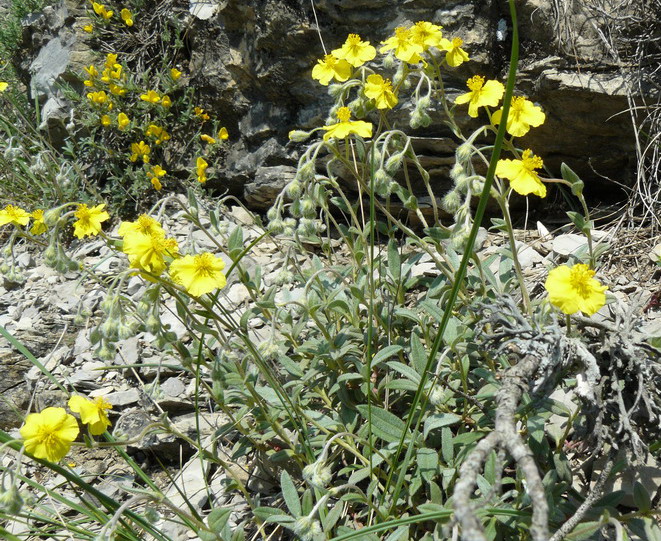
<point x="306" y="528"/>
<point x="11" y="501"/>
<point x="308" y="208"/>
<point x="394" y="163"/>
<point x="298" y="136"/>
<point x="317" y="474"/>
<point x="464" y="152"/>
<point x="451" y="201"/>
<point x="294" y="189"/>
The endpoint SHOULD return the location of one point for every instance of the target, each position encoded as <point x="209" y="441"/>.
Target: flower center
<point x="580" y="279"/>
<point x="83" y="213"/>
<point x="330" y="60"/>
<point x="475" y="83"/>
<point x="530" y="161"/>
<point x="344" y="114"/>
<point x="457" y="42"/>
<point x="353" y="39"/>
<point x="203" y="265"/>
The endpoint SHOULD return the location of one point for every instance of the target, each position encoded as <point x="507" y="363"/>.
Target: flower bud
<point x="464" y="152"/>
<point x="272" y="213"/>
<point x="307" y="227"/>
<point x="51" y="216"/>
<point x="285" y="276"/>
<point x="457" y="171"/>
<point x="306" y="171"/>
<point x="106" y="352"/>
<point x="389" y="62"/>
<point x="424" y="103"/>
<point x="306" y="528"/>
<point x="308" y="208"/>
<point x="11" y="501"/>
<point x="276" y="226"/>
<point x="294" y="189"/>
<point x="317" y="474"/>
<point x="298" y="136"/>
<point x="109" y="328"/>
<point x="153" y="324"/>
<point x="451" y="201"/>
<point x="288" y="226"/>
<point x="394" y="163"/>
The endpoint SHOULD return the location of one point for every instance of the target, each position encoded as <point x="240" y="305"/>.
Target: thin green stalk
<point x="420" y="399"/>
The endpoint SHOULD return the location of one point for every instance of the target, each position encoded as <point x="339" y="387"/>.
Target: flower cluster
<point x="151" y="252"/>
<point x="140" y="117"/>
<point x="49" y="434"/>
<point x="105" y="15"/>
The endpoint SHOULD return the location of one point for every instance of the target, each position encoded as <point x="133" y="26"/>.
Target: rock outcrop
<point x="250" y="62"/>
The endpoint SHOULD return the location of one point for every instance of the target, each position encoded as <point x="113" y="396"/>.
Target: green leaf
<point x="427" y="463"/>
<point x="418" y="354"/>
<point x="447" y="445"/>
<point x="394" y="261"/>
<point x="439" y="420"/>
<point x="584" y="531"/>
<point x="290" y="494"/>
<point x="641" y="497"/>
<point x="385" y="425"/>
<point x="405" y="371"/>
<point x="218" y="518"/>
<point x="386" y="353"/>
<point x="568" y="174"/>
<point x="235" y="242"/>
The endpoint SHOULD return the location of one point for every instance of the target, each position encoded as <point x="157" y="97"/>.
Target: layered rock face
<point x="251" y="61"/>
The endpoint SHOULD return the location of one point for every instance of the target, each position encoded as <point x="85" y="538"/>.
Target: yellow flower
<point x="92" y="412"/>
<point x="89" y="28"/>
<point x="89" y="220"/>
<point x="406" y="49"/>
<point x="380" y="90"/>
<point x="3" y="86"/>
<point x="199" y="113"/>
<point x="154" y="176"/>
<point x="158" y="133"/>
<point x="199" y="274"/>
<point x="39" y="226"/>
<point x="345" y="127"/>
<point x="426" y="34"/>
<point x="201" y="170"/>
<point x="574" y="288"/>
<point x="223" y="134"/>
<point x="99" y="98"/>
<point x="106" y="121"/>
<point x="523" y="114"/>
<point x="166" y="101"/>
<point x="150" y="96"/>
<point x="145" y="225"/>
<point x="14" y="215"/>
<point x="123" y="121"/>
<point x="127" y="17"/>
<point x="138" y="150"/>
<point x="175" y="74"/>
<point x="91" y="70"/>
<point x="117" y="89"/>
<point x="111" y="61"/>
<point x="522" y="175"/>
<point x="355" y="51"/>
<point x="49" y="433"/>
<point x="455" y="55"/>
<point x="208" y="139"/>
<point x="101" y="10"/>
<point x="148" y="252"/>
<point x="481" y="94"/>
<point x="330" y="68"/>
